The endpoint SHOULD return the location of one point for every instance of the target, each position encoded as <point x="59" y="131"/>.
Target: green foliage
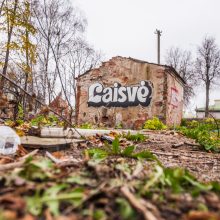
<point x="128" y="151"/>
<point x="178" y="180"/>
<point x="115" y="150"/>
<point x="17" y="24"/>
<point x="46" y="120"/>
<point x="51" y="198"/>
<point x="119" y="126"/>
<point x="147" y="155"/>
<point x="134" y="137"/>
<point x="125" y="209"/>
<point x="209" y="123"/>
<point x="79" y="180"/>
<point x="20" y="118"/>
<point x="203" y="135"/>
<point x="154" y="124"/>
<point x="192" y="124"/>
<point x="97" y="153"/>
<point x="36" y="170"/>
<point x="99" y="214"/>
<point x="116" y="146"/>
<point x="86" y="126"/>
<point x="183" y="122"/>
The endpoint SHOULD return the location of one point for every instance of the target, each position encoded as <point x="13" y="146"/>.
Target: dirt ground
<point x="204" y="165"/>
<point x="173" y="150"/>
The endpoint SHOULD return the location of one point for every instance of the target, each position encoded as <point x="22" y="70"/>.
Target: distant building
<point x="127" y="92"/>
<point x="189" y="114"/>
<point x="214" y="110"/>
<point x="60" y="106"/>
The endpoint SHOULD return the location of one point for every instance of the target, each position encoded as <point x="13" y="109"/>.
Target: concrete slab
<point x="51" y="144"/>
<point x="53" y="132"/>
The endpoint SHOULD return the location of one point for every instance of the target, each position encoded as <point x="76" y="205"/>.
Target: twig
<point x="137" y="204"/>
<point x="32" y="153"/>
<point x="177" y="145"/>
<point x="21" y="161"/>
<point x="70" y="163"/>
<point x="137" y="170"/>
<point x="63" y="163"/>
<point x="54" y="159"/>
<point x="165" y="154"/>
<point x="192" y="144"/>
<point x="186" y="143"/>
<point x="10" y="166"/>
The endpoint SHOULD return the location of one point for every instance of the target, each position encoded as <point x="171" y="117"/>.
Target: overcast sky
<point x="126" y="27"/>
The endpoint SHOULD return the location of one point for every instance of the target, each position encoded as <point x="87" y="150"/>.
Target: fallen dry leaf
<point x="5" y="159"/>
<point x="58" y="154"/>
<point x="201" y="215"/>
<point x="21" y="151"/>
<point x="12" y="202"/>
<point x="28" y="217"/>
<point x="9" y="215"/>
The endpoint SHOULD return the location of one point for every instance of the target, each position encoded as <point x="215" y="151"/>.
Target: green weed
<point x="178" y="180"/>
<point x="203" y="135"/>
<point x="134" y="137"/>
<point x="116" y="150"/>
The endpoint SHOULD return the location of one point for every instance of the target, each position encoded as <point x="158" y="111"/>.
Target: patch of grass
<point x="134" y="137"/>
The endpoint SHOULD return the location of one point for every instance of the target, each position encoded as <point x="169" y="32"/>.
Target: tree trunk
<point x="4" y="71"/>
<point x="26" y="72"/>
<point x="207" y="100"/>
<point x="2" y="5"/>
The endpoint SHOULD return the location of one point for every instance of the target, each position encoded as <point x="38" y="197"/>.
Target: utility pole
<point x="158" y="33"/>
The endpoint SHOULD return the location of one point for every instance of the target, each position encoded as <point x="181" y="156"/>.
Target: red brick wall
<point x="127" y="72"/>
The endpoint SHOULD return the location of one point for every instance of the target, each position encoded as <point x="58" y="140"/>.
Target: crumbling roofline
<point x="140" y="61"/>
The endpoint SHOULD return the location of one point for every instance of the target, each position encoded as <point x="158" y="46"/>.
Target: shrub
<point x="154" y="124"/>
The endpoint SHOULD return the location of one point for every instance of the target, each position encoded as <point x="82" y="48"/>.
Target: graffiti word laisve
<point x="120" y="96"/>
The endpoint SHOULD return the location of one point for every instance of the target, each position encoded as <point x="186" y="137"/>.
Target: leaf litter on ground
<point x="93" y="190"/>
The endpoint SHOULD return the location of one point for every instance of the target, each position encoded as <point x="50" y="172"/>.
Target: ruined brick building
<point x="127" y="92"/>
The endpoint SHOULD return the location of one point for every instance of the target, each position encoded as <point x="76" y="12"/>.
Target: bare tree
<point x="208" y="66"/>
<point x="82" y="57"/>
<point x="44" y="49"/>
<point x="63" y="51"/>
<point x="58" y="24"/>
<point x="1" y="7"/>
<point x="181" y="61"/>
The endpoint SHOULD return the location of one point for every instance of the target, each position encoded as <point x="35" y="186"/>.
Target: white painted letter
<point x="132" y="93"/>
<point x="95" y="88"/>
<point x="142" y="93"/>
<point x="107" y="97"/>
